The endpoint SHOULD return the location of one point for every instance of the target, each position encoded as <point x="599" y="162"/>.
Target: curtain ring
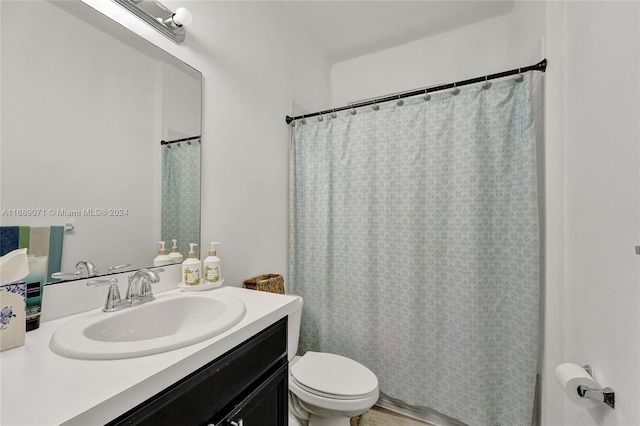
<point x="320" y="118"/>
<point x="400" y="101"/>
<point x="375" y="106"/>
<point x="455" y="91"/>
<point x="353" y="111"/>
<point x="487" y="83"/>
<point x="427" y="96"/>
<point x="333" y="114"/>
<point x="304" y="120"/>
<point x="519" y="78"/>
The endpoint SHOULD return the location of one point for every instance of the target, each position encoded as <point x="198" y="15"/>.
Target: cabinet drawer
<point x="215" y="387"/>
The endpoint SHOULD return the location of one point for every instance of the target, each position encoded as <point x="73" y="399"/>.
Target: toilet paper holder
<point x="606" y="395"/>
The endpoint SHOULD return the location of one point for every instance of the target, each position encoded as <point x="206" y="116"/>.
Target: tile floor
<point x="378" y="416"/>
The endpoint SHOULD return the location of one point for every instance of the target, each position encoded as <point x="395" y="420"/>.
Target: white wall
<point x="602" y="177"/>
<point x="592" y="187"/>
<point x="254" y="59"/>
<point x="553" y="398"/>
<point x="495" y="45"/>
<point x="460" y="54"/>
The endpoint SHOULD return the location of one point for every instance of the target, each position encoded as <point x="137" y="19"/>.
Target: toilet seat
<point x="332" y="396"/>
<point x="334" y="377"/>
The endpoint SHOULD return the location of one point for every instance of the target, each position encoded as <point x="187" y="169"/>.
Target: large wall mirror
<point x="85" y="106"/>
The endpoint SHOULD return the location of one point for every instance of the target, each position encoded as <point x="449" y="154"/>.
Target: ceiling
<point x="346" y="29"/>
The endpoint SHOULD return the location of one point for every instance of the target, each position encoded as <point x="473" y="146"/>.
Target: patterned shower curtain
<point x="414" y="242"/>
<point x="181" y="195"/>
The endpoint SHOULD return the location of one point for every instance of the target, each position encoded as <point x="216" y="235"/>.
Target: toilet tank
<point x="293" y="329"/>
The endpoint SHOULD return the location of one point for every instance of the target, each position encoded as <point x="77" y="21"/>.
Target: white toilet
<point x="326" y="389"/>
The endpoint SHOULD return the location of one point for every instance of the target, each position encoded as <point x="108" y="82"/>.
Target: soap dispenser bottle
<point x="162" y="258"/>
<point x="191" y="268"/>
<point x="212" y="266"/>
<point x="175" y="255"/>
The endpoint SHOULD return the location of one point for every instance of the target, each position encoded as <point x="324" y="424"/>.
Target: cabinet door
<point x="215" y="389"/>
<point x="267" y="405"/>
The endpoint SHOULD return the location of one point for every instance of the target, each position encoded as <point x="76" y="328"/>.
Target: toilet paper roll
<point x="570" y="376"/>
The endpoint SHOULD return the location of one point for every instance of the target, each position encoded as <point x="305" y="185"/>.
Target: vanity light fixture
<point x="154" y="13"/>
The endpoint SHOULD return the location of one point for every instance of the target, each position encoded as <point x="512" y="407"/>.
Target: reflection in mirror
<point x="180" y="197"/>
<point x="85" y="106"/>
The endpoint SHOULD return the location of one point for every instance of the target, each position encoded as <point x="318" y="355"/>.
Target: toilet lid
<point x="335" y="375"/>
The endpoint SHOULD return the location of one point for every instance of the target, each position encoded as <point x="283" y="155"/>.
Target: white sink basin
<point x="172" y="321"/>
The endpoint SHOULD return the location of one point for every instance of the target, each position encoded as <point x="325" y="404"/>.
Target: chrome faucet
<point x="88" y="266"/>
<point x="92" y="271"/>
<point x="138" y="292"/>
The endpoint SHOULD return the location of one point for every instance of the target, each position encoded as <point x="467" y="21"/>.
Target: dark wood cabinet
<point x="246" y="386"/>
<point x="267" y="405"/>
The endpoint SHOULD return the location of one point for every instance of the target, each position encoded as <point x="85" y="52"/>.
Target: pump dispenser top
<point x="162" y="259"/>
<point x="162" y="249"/>
<point x="212" y="250"/>
<point x="175" y="255"/>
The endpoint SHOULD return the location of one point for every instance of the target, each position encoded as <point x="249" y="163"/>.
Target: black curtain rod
<point x="163" y="142"/>
<point x="540" y="66"/>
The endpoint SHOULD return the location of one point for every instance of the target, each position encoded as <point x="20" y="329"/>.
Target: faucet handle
<point x="98" y="283"/>
<point x="110" y="269"/>
<point x="113" y="296"/>
<point x="66" y="275"/>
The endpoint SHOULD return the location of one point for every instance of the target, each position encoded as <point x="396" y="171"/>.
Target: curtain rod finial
<point x="542" y="65"/>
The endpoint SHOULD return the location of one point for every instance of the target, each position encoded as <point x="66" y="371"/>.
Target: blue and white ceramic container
<point x="12" y="314"/>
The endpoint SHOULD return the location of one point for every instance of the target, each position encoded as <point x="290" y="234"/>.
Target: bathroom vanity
<point x="232" y="378"/>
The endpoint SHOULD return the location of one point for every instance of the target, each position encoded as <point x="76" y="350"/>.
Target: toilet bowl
<point x="326" y="389"/>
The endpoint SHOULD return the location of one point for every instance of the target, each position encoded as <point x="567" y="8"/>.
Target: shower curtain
<point x="414" y="242"/>
<point x="181" y="195"/>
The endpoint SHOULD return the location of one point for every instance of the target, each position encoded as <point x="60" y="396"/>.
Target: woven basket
<point x="272" y="283"/>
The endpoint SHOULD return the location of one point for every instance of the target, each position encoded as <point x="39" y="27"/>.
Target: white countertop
<point x="39" y="387"/>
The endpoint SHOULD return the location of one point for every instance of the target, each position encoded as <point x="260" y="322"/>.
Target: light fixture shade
<point x="160" y="17"/>
<point x="182" y="16"/>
